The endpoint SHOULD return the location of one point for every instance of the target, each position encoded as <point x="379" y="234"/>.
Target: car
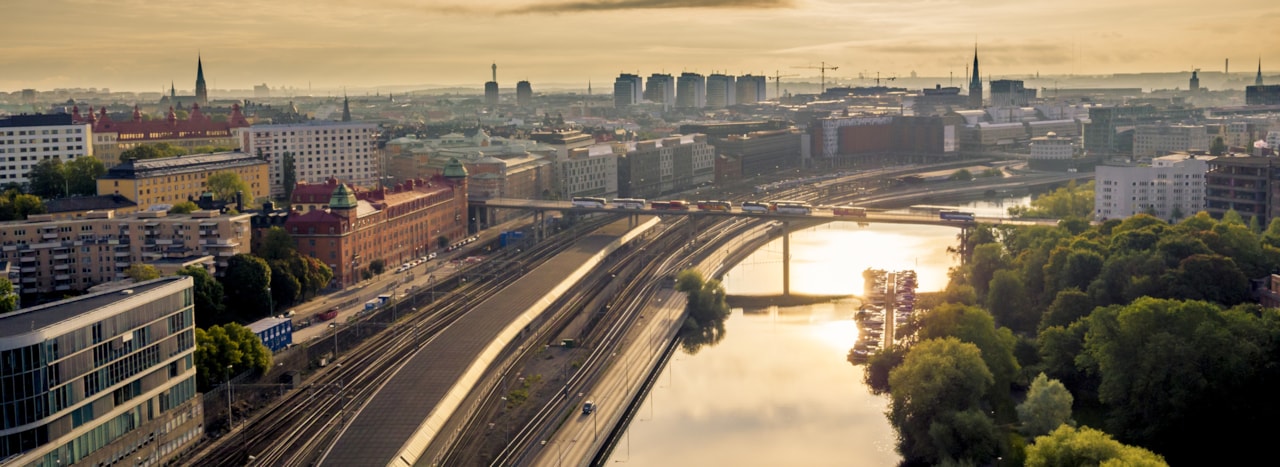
<point x="431" y="256"/>
<point x="588" y="408"/>
<point x="423" y="259"/>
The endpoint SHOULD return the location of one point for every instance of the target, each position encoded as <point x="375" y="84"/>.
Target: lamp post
<point x="230" y="415"/>
<point x="335" y="340"/>
<point x="271" y="302"/>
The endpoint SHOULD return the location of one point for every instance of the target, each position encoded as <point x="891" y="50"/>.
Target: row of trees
<point x="159" y="150"/>
<point x="51" y="178"/>
<point x="1144" y="327"/>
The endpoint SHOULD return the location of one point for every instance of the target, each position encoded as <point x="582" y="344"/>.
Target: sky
<point x="141" y="45"/>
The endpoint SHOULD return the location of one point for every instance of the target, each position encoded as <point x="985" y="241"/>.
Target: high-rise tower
<point x="1195" y="80"/>
<point x="975" y="84"/>
<point x="202" y="92"/>
<point x="491" y="90"/>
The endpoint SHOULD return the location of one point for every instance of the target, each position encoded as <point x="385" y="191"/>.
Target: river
<point x="778" y="390"/>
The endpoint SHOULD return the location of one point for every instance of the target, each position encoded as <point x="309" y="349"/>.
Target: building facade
<point x="1157" y="140"/>
<point x="628" y="90"/>
<point x="722" y="91"/>
<point x="353" y="228"/>
<point x="1171" y="188"/>
<point x="1052" y="147"/>
<point x="589" y="171"/>
<point x="655" y="167"/>
<point x="25" y="140"/>
<point x="1262" y="94"/>
<point x="1247" y="184"/>
<point x="172" y="180"/>
<point x="751" y="89"/>
<point x="524" y="94"/>
<point x="75" y="254"/>
<point x="691" y="91"/>
<point x="107" y="378"/>
<point x="320" y="150"/>
<point x="111" y="138"/>
<point x="1010" y="93"/>
<point x="762" y="152"/>
<point x="661" y="89"/>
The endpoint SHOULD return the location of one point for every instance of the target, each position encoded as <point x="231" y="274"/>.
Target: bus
<point x="628" y="203"/>
<point x="715" y="206"/>
<point x="672" y="205"/>
<point x="589" y="202"/>
<point x="791" y="207"/>
<point x="956" y="216"/>
<point x="849" y="211"/>
<point x="753" y="206"/>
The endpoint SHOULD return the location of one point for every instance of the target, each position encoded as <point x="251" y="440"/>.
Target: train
<point x="791" y="207"/>
<point x="956" y="216"/>
<point x="849" y="211"/>
<point x="628" y="203"/>
<point x="753" y="206"/>
<point x="715" y="206"/>
<point x="589" y="202"/>
<point x="672" y="205"/>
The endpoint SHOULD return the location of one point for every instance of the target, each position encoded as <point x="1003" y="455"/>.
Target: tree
<point x="706" y="310"/>
<point x="225" y="185"/>
<point x="14" y="205"/>
<point x="937" y="378"/>
<point x="1069" y="306"/>
<point x="82" y="175"/>
<point x="245" y="281"/>
<point x="231" y="346"/>
<point x="1069" y="447"/>
<point x="1209" y="277"/>
<point x="290" y="174"/>
<point x="185" y="207"/>
<point x="142" y="272"/>
<point x="377" y="266"/>
<point x="1007" y="299"/>
<point x="285" y="288"/>
<point x="48" y="179"/>
<point x="976" y="326"/>
<point x="1218" y="147"/>
<point x="1069" y="201"/>
<point x="277" y="245"/>
<point x="961" y="175"/>
<point x="151" y="151"/>
<point x="8" y="299"/>
<point x="208" y="296"/>
<point x="1048" y="406"/>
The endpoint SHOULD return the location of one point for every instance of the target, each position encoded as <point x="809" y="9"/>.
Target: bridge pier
<point x="786" y="259"/>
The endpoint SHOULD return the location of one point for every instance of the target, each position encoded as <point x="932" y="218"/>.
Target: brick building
<point x="110" y="138"/>
<point x="350" y="228"/>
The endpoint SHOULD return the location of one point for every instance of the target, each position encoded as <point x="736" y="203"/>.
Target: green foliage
<point x="706" y="311"/>
<point x="961" y="175"/>
<point x="185" y="207"/>
<point x="48" y="179"/>
<point x="377" y="266"/>
<point x="208" y="297"/>
<point x="1069" y="447"/>
<point x="1218" y="147"/>
<point x="290" y="174"/>
<point x="142" y="272"/>
<point x="223" y="351"/>
<point x="8" y="299"/>
<point x="245" y="281"/>
<point x="1048" y="406"/>
<point x="976" y="326"/>
<point x="225" y="185"/>
<point x="277" y="245"/>
<point x="82" y="175"/>
<point x="442" y="242"/>
<point x="151" y="151"/>
<point x="1009" y="304"/>
<point x="1069" y="306"/>
<point x="285" y="287"/>
<point x="14" y="205"/>
<point x="879" y="365"/>
<point x="1069" y="201"/>
<point x="937" y="379"/>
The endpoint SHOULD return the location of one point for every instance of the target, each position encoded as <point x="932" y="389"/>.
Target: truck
<point x="383" y="299"/>
<point x="371" y="304"/>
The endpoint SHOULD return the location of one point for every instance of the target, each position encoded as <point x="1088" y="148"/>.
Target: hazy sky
<point x="143" y="44"/>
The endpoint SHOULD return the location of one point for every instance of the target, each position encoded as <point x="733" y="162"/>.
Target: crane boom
<point x="777" y="80"/>
<point x="822" y="69"/>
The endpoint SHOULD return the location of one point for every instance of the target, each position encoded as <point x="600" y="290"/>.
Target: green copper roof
<point x="454" y="169"/>
<point x="342" y="198"/>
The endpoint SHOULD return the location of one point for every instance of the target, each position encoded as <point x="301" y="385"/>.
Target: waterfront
<point x="778" y="389"/>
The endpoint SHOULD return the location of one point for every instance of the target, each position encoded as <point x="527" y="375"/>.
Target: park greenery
<point x="228" y="350"/>
<point x="706" y="310"/>
<point x="225" y="185"/>
<point x="51" y="178"/>
<point x="16" y="205"/>
<point x="294" y="277"/>
<point x="1143" y="329"/>
<point x="158" y="150"/>
<point x="8" y="299"/>
<point x="1071" y="201"/>
<point x="141" y="272"/>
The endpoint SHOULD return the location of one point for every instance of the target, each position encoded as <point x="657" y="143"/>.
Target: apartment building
<point x="75" y="254"/>
<point x="655" y="167"/>
<point x="107" y="378"/>
<point x="25" y="140"/>
<point x="320" y="150"/>
<point x="172" y="180"/>
<point x="1172" y="187"/>
<point x="1158" y="140"/>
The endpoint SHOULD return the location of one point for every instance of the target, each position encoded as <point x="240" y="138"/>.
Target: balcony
<point x="61" y="256"/>
<point x="164" y="241"/>
<point x="27" y="259"/>
<point x="29" y="269"/>
<point x="28" y="280"/>
<point x="49" y="236"/>
<point x="122" y="264"/>
<point x="62" y="277"/>
<point x="61" y="267"/>
<point x="122" y="254"/>
<point x="62" y="287"/>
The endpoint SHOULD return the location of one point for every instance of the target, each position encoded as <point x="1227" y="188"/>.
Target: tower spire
<point x="346" y="107"/>
<point x="1257" y="81"/>
<point x="975" y="84"/>
<point x="495" y="72"/>
<point x="202" y="92"/>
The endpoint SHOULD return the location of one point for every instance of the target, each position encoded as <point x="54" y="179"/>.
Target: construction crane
<point x="777" y="80"/>
<point x="823" y="70"/>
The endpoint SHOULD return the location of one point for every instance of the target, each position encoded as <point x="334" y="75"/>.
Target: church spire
<point x="346" y="108"/>
<point x="975" y="84"/>
<point x="1257" y="81"/>
<point x="202" y="92"/>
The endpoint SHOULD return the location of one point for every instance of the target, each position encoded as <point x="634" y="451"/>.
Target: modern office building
<point x="25" y="140"/>
<point x="1249" y="185"/>
<point x="320" y="150"/>
<point x="1010" y="93"/>
<point x="1161" y="139"/>
<point x="655" y="167"/>
<point x="102" y="379"/>
<point x="762" y="152"/>
<point x="172" y="180"/>
<point x="1052" y="147"/>
<point x="588" y="171"/>
<point x="524" y="94"/>
<point x="1100" y="135"/>
<point x="628" y="90"/>
<point x="352" y="228"/>
<point x="722" y="91"/>
<point x="1262" y="94"/>
<point x="75" y="254"/>
<point x="1172" y="187"/>
<point x="491" y="90"/>
<point x="751" y="89"/>
<point x="691" y="91"/>
<point x="661" y="89"/>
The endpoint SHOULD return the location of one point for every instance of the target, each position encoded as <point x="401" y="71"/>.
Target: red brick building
<point x="350" y="228"/>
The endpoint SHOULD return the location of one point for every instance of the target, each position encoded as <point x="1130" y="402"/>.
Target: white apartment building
<point x="25" y="140"/>
<point x="589" y="171"/>
<point x="1171" y="188"/>
<point x="343" y="150"/>
<point x="1052" y="146"/>
<point x="1155" y="140"/>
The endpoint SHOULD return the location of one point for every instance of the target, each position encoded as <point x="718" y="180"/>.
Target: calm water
<point x="778" y="389"/>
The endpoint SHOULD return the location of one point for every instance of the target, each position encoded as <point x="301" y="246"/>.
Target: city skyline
<point x="136" y="45"/>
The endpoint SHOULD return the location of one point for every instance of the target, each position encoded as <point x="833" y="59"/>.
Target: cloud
<point x="580" y="6"/>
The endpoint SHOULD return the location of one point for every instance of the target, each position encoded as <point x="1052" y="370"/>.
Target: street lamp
<point x="230" y="415"/>
<point x="335" y="340"/>
<point x="271" y="302"/>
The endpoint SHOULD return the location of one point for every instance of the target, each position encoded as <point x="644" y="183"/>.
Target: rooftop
<point x="145" y="168"/>
<point x="87" y="203"/>
<point x="42" y="316"/>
